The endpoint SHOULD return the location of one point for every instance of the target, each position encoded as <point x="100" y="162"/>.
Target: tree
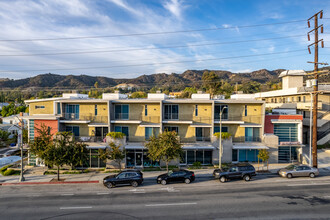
<point x="186" y="93"/>
<point x="211" y="82"/>
<point x="139" y="94"/>
<point x="76" y="154"/>
<point x="264" y="156"/>
<point x="112" y="153"/>
<point x="165" y="147"/>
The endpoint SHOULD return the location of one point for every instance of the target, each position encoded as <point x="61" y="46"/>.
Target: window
<point x="202" y="134"/>
<point x="151" y="132"/>
<point x="58" y="108"/>
<point x="145" y="110"/>
<point x="286" y="132"/>
<point x="245" y="110"/>
<point x="172" y="128"/>
<point x="304" y="98"/>
<point x="122" y="129"/>
<point x="73" y="129"/>
<point x="95" y="110"/>
<point x="292" y="99"/>
<point x="252" y="134"/>
<point x="196" y="110"/>
<point x="171" y="112"/>
<point x="31" y="129"/>
<point x="72" y="111"/>
<point x="217" y="129"/>
<point x="299" y="99"/>
<point x="121" y="111"/>
<point x="217" y="110"/>
<point x="39" y="106"/>
<point x="48" y="130"/>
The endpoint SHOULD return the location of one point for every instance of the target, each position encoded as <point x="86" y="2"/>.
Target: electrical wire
<point x="150" y="33"/>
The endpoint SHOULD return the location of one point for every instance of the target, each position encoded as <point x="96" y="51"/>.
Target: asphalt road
<point x="262" y="198"/>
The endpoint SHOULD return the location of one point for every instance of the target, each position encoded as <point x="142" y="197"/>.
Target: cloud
<point x="175" y="7"/>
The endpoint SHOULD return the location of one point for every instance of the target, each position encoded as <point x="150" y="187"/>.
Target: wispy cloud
<point x="175" y="7"/>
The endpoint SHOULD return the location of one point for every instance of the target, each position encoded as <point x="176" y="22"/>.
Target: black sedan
<point x="176" y="176"/>
<point x="126" y="177"/>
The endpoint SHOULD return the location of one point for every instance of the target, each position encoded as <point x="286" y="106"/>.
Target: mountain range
<point x="187" y="78"/>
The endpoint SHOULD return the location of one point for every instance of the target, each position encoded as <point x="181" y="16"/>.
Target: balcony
<point x="150" y="119"/>
<point x="83" y="118"/>
<point x="246" y="139"/>
<point x="203" y="139"/>
<point x="239" y="119"/>
<point x="90" y="139"/>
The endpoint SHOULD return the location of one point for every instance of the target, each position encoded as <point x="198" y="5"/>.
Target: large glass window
<point x="249" y="155"/>
<point x="202" y="134"/>
<point x="252" y="134"/>
<point x="171" y="112"/>
<point x="287" y="154"/>
<point x="151" y="132"/>
<point x="172" y="128"/>
<point x="122" y="129"/>
<point x="73" y="129"/>
<point x="217" y="129"/>
<point x="217" y="110"/>
<point x="191" y="156"/>
<point x="58" y="106"/>
<point x="286" y="132"/>
<point x="121" y="111"/>
<point x="72" y="111"/>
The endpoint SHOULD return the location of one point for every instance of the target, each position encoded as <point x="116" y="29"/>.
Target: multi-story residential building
<point x="297" y="97"/>
<point x="195" y="120"/>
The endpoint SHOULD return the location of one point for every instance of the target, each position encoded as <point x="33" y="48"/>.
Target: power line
<point x="184" y="56"/>
<point x="153" y="48"/>
<point x="187" y="61"/>
<point x="150" y="33"/>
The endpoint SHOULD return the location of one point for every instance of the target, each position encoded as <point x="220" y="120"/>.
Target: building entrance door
<point x="138" y="159"/>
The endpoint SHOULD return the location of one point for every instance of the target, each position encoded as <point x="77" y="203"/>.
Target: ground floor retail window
<point x="248" y="155"/>
<point x="287" y="154"/>
<point x="94" y="160"/>
<point x="191" y="156"/>
<point x="139" y="158"/>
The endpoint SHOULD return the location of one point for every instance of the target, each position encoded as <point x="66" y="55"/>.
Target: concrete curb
<point x="50" y="183"/>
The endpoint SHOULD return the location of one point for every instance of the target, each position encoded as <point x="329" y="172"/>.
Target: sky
<point x="129" y="38"/>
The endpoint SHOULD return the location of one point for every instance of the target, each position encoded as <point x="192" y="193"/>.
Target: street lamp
<point x="21" y="178"/>
<point x="220" y="137"/>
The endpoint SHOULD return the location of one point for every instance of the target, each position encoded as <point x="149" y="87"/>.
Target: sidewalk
<point x="94" y="177"/>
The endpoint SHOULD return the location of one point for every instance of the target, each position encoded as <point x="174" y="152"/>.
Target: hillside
<point x="187" y="78"/>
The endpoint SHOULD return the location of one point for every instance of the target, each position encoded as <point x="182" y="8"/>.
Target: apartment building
<point x="297" y="97"/>
<point x="195" y="120"/>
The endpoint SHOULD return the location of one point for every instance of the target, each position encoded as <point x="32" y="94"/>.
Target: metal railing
<point x="206" y="139"/>
<point x="90" y="138"/>
<point x="171" y="116"/>
<point x="246" y="139"/>
<point x="121" y="116"/>
<point x="85" y="117"/>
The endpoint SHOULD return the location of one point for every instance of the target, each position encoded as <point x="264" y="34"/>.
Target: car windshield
<point x="290" y="167"/>
<point x="170" y="172"/>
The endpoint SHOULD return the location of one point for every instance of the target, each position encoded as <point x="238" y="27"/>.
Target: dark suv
<point x="237" y="171"/>
<point x="126" y="177"/>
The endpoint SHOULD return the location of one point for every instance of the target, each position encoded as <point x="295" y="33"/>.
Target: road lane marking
<point x="103" y="193"/>
<point x="68" y="194"/>
<point x="81" y="207"/>
<point x="170" y="204"/>
<point x="309" y="184"/>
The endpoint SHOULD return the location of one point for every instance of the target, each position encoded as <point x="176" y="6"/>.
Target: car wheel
<point x="289" y="175"/>
<point x="187" y="181"/>
<point x="222" y="179"/>
<point x="109" y="185"/>
<point x="312" y="175"/>
<point x="134" y="184"/>
<point x="163" y="182"/>
<point x="247" y="178"/>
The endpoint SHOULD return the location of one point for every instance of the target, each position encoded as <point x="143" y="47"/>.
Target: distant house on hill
<point x="126" y="86"/>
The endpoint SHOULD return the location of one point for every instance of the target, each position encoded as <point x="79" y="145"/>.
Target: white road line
<point x="140" y="192"/>
<point x="309" y="184"/>
<point x="103" y="193"/>
<point x="68" y="194"/>
<point x="170" y="204"/>
<point x="81" y="207"/>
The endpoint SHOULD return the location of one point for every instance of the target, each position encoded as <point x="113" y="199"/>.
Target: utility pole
<point x="315" y="81"/>
<point x="220" y="137"/>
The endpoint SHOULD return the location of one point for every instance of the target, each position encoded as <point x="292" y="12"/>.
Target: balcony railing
<point x="85" y="117"/>
<point x="89" y="139"/>
<point x="150" y="119"/>
<point x="121" y="116"/>
<point x="246" y="139"/>
<point x="171" y="116"/>
<point x="206" y="139"/>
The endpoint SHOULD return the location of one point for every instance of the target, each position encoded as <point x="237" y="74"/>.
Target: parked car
<point x="126" y="177"/>
<point x="298" y="170"/>
<point x="237" y="171"/>
<point x="176" y="176"/>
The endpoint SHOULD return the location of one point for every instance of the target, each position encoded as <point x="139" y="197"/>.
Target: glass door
<point x="138" y="159"/>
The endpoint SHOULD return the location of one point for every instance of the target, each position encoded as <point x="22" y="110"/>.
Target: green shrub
<point x="224" y="135"/>
<point x="11" y="172"/>
<point x="86" y="171"/>
<point x="72" y="172"/>
<point x="116" y="135"/>
<point x="3" y="169"/>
